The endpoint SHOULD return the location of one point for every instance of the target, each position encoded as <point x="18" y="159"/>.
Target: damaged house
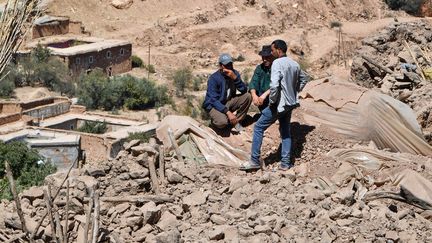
<point x="82" y="54"/>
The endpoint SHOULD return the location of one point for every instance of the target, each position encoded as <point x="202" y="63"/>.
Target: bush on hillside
<point x="100" y="92"/>
<point x="94" y="127"/>
<point x="181" y="77"/>
<point x="6" y="88"/>
<point x="137" y="62"/>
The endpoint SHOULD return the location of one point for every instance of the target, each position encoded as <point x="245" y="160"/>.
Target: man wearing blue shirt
<point x="222" y="102"/>
<point x="287" y="79"/>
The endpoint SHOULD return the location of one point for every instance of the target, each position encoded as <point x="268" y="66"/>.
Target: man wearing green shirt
<point x="260" y="84"/>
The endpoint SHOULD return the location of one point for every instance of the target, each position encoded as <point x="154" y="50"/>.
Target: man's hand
<point x="232" y="118"/>
<point x="261" y="100"/>
<point x="255" y="100"/>
<point x="263" y="97"/>
<point x="229" y="73"/>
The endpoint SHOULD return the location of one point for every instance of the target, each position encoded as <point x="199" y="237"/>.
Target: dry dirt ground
<point x="193" y="33"/>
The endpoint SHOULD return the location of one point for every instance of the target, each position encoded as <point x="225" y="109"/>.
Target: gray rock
<point x="167" y="221"/>
<point x="171" y="236"/>
<point x="238" y="201"/>
<point x="251" y="214"/>
<point x="340" y="212"/>
<point x="134" y="221"/>
<point x="218" y="219"/>
<point x="187" y="171"/>
<point x="216" y="234"/>
<point x="151" y="213"/>
<point x="124" y="176"/>
<point x="96" y="171"/>
<point x="173" y="177"/>
<point x="121" y="208"/>
<point x="139" y="174"/>
<point x="237" y="182"/>
<point x="392" y="235"/>
<point x="140" y="235"/>
<point x="265" y="229"/>
<point x="33" y="193"/>
<point x="344" y="222"/>
<point x="195" y="199"/>
<point x="231" y="233"/>
<point x="132" y="143"/>
<point x="265" y="178"/>
<point x="344" y="196"/>
<point x="269" y="220"/>
<point x="233" y="215"/>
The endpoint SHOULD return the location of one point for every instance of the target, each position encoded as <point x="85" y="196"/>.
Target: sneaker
<point x="250" y="166"/>
<point x="285" y="167"/>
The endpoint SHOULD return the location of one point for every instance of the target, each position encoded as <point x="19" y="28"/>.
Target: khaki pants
<point x="239" y="104"/>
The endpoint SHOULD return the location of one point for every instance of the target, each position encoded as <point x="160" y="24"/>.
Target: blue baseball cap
<point x="225" y="58"/>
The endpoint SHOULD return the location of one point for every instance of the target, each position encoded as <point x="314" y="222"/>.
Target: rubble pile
<point x="398" y="61"/>
<point x="194" y="203"/>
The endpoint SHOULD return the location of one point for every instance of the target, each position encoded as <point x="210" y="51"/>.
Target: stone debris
<point x="315" y="202"/>
<point x="401" y="76"/>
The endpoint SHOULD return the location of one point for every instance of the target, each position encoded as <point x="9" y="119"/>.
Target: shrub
<point x="240" y="58"/>
<point x="137" y="62"/>
<point x="24" y="165"/>
<point x="203" y="113"/>
<point x="196" y="83"/>
<point x="143" y="137"/>
<point x="150" y="68"/>
<point x="182" y="78"/>
<point x="6" y="88"/>
<point x="409" y="6"/>
<point x="100" y="92"/>
<point x="335" y="24"/>
<point x="94" y="127"/>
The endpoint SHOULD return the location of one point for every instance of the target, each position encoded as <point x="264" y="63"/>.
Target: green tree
<point x="40" y="68"/>
<point x="92" y="89"/>
<point x="24" y="165"/>
<point x="409" y="6"/>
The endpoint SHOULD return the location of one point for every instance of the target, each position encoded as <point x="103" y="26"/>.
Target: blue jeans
<point x="267" y="118"/>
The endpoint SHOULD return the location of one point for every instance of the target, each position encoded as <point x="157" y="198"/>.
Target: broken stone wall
<point x="60" y="155"/>
<point x="96" y="148"/>
<point x="50" y="110"/>
<point x="60" y="27"/>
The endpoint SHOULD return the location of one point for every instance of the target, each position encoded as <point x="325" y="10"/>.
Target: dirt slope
<point x="192" y="33"/>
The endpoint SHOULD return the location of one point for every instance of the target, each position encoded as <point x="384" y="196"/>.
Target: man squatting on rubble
<point x="287" y="79"/>
<point x="224" y="106"/>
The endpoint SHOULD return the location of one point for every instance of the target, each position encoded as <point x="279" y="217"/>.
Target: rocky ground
<point x="207" y="203"/>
